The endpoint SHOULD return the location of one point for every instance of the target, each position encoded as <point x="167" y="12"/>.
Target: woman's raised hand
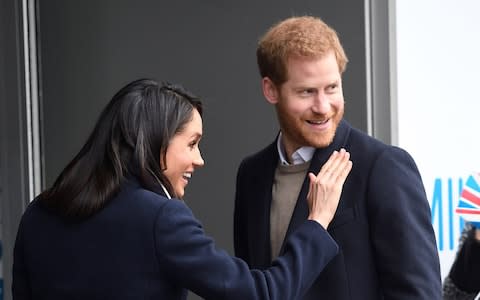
<point x="326" y="188"/>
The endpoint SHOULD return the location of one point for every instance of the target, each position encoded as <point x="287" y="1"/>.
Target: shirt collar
<point x="166" y="192"/>
<point x="300" y="156"/>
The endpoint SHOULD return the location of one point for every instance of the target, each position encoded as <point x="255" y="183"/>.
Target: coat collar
<point x="133" y="181"/>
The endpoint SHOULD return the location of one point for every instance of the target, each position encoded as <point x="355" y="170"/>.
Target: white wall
<point x="438" y="104"/>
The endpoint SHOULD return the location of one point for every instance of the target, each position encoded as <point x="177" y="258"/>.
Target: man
<point x="382" y="225"/>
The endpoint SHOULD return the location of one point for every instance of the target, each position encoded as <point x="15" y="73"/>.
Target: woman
<point x="108" y="229"/>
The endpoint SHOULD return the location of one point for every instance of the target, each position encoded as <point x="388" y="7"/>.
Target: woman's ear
<point x="269" y="90"/>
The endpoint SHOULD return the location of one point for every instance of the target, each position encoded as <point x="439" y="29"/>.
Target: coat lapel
<point x="321" y="155"/>
<point x="260" y="231"/>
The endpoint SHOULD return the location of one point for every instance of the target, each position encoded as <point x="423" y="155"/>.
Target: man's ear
<point x="269" y="90"/>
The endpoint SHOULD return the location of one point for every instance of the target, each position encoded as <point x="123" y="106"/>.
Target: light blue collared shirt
<point x="300" y="156"/>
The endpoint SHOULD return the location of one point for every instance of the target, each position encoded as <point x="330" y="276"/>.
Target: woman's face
<point x="183" y="155"/>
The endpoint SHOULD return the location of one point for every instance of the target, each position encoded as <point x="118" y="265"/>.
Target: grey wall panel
<point x="91" y="48"/>
<point x="13" y="154"/>
<point x="381" y="31"/>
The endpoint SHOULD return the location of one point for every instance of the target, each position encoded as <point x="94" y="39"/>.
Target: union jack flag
<point x="469" y="204"/>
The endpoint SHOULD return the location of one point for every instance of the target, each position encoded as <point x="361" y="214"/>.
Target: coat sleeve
<point x="192" y="261"/>
<point x="403" y="239"/>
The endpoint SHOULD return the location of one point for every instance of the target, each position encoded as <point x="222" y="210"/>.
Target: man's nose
<point x="321" y="104"/>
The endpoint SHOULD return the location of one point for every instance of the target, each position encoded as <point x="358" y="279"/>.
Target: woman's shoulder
<point x="139" y="198"/>
<point x="132" y="191"/>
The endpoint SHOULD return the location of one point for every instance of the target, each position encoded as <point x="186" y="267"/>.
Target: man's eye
<point x="307" y="92"/>
<point x="332" y="87"/>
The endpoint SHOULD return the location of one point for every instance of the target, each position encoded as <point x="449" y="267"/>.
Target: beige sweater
<point x="286" y="187"/>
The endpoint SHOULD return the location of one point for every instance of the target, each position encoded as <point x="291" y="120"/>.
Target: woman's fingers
<point x="339" y="174"/>
<point x="325" y="188"/>
<point x="331" y="162"/>
<point x="335" y="168"/>
<point x="343" y="173"/>
<point x="334" y="164"/>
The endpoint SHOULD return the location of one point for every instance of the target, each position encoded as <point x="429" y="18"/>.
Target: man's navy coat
<point x="382" y="225"/>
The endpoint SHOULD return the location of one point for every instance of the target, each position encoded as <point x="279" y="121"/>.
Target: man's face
<point x="310" y="103"/>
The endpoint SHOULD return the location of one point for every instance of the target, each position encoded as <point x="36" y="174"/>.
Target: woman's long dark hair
<point x="129" y="139"/>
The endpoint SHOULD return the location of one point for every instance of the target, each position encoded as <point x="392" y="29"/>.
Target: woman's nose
<point x="198" y="161"/>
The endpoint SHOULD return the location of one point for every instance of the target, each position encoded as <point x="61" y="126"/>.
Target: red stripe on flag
<point x="470" y="197"/>
<point x="467" y="211"/>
